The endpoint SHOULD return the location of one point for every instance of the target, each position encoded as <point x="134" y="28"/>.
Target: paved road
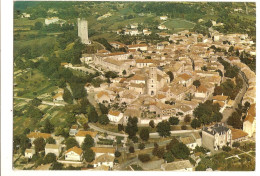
<point x="43" y="102"/>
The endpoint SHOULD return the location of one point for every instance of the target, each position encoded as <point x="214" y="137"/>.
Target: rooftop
<point x="217" y="128"/>
<point x="84" y="133"/>
<point x="75" y="149"/>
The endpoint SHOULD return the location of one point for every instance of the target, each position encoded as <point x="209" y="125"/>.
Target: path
<point x="105" y="131"/>
<point x="43" y="102"/>
<point x="237" y="156"/>
<point x="125" y="164"/>
<point x="152" y="135"/>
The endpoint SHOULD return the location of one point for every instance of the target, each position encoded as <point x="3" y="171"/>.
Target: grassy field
<point x="26" y="22"/>
<point x="33" y="83"/>
<point x="178" y="24"/>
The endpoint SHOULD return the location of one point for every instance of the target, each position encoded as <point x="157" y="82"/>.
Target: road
<point x="228" y="111"/>
<point x="43" y="102"/>
<point x="105" y="131"/>
<point x="125" y="164"/>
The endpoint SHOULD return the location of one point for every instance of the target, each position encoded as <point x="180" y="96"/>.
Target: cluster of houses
<point x="132" y="29"/>
<point x="104" y="154"/>
<point x="148" y="89"/>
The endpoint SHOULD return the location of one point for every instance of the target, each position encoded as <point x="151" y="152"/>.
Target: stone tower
<point x="152" y="81"/>
<point x="83" y="31"/>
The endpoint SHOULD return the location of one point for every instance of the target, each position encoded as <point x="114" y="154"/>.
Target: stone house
<point x="81" y="135"/>
<point x="103" y="150"/>
<point x="33" y="135"/>
<point x="104" y="160"/>
<point x="52" y="148"/>
<point x="183" y="165"/>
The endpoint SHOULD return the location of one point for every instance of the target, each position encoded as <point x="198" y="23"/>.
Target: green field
<point x="179" y="24"/>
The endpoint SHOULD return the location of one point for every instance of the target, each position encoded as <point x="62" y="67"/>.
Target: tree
<point x="131" y="149"/>
<point x="168" y="157"/>
<point x="35" y="102"/>
<point x="204" y="68"/>
<point x="141" y="146"/>
<point x="117" y="154"/>
<point x="88" y="142"/>
<point x="184" y="127"/>
<point x="103" y="108"/>
<point x="144" y="158"/>
<point x="103" y="119"/>
<point x="70" y="119"/>
<point x="124" y="72"/>
<point x="231" y="49"/>
<point x="34" y="112"/>
<point x="144" y="134"/>
<point x="170" y="75"/>
<point x="85" y="126"/>
<point x="57" y="166"/>
<point x="235" y="120"/>
<point x="50" y="140"/>
<point x="195" y="123"/>
<point x="38" y="25"/>
<point x="88" y="155"/>
<point x="164" y="128"/>
<point x="92" y="115"/>
<point x="187" y="118"/>
<point x="135" y="139"/>
<point x="67" y="97"/>
<point x="180" y="151"/>
<point x="196" y="83"/>
<point x="23" y="141"/>
<point x="131" y="127"/>
<point x="151" y="124"/>
<point x="26" y="131"/>
<point x="48" y="127"/>
<point x="49" y="158"/>
<point x="226" y="148"/>
<point x="174" y="120"/>
<point x="120" y="127"/>
<point x="71" y="142"/>
<point x="39" y="144"/>
<point x="236" y="144"/>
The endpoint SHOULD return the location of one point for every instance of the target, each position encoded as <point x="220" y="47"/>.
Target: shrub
<point x="144" y="157"/>
<point x="226" y="148"/>
<point x="184" y="127"/>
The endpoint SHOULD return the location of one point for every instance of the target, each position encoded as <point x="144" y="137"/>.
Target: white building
<point x="74" y="154"/>
<point x="215" y="137"/>
<point x="29" y="153"/>
<point x="114" y="116"/>
<point x="142" y="47"/>
<point x="163" y="17"/>
<point x="51" y="20"/>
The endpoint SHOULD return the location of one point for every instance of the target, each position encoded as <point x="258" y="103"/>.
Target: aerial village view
<point x="134" y="86"/>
